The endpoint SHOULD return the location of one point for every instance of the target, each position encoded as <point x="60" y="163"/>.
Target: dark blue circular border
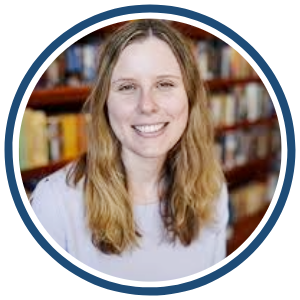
<point x="289" y="134"/>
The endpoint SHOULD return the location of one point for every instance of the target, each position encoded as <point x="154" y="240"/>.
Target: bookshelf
<point x="64" y="98"/>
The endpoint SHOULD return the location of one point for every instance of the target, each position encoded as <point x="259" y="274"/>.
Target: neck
<point x="143" y="178"/>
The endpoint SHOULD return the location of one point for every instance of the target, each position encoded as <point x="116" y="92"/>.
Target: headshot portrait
<point x="155" y="152"/>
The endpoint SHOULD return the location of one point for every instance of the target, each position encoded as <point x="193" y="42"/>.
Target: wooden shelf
<point x="243" y="228"/>
<point x="247" y="124"/>
<point x="42" y="171"/>
<point x="226" y="83"/>
<point x="255" y="169"/>
<point x="74" y="96"/>
<point x="45" y="98"/>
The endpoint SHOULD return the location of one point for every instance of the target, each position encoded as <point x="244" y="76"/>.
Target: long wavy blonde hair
<point x="191" y="176"/>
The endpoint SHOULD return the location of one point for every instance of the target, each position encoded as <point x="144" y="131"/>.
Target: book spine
<point x="54" y="138"/>
<point x="37" y="143"/>
<point x="69" y="136"/>
<point x="89" y="63"/>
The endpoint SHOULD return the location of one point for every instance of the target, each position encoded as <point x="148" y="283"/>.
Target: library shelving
<point x="63" y="98"/>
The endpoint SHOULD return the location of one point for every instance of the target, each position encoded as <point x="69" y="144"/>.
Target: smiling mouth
<point x="153" y="128"/>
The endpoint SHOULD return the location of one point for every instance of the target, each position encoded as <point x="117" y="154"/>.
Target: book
<point x="55" y="138"/>
<point x="202" y="54"/>
<point x="230" y="105"/>
<point x="89" y="61"/>
<point x="216" y="108"/>
<point x="226" y="52"/>
<point x="69" y="136"/>
<point x="33" y="142"/>
<point x="74" y="65"/>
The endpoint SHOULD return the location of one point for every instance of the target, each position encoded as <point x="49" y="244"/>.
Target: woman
<point x="148" y="201"/>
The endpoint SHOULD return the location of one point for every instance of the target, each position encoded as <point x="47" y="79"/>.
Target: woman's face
<point x="147" y="103"/>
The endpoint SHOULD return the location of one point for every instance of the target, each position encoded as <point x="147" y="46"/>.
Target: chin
<point x="152" y="154"/>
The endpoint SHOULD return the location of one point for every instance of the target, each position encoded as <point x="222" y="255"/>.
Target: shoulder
<point x="54" y="189"/>
<point x="57" y="182"/>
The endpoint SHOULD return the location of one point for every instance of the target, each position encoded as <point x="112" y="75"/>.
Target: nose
<point x="147" y="103"/>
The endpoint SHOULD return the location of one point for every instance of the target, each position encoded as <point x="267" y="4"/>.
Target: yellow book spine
<point x="69" y="136"/>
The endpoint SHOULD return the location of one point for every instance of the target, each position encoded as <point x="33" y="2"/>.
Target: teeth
<point x="149" y="128"/>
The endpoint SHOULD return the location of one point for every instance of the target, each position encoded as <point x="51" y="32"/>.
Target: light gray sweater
<point x="60" y="209"/>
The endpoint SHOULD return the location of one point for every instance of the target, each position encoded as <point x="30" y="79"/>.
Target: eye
<point x="127" y="87"/>
<point x="165" y="85"/>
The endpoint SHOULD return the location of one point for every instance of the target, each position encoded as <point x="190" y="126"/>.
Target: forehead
<point x="150" y="54"/>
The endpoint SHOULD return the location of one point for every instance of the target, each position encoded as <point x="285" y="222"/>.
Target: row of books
<point x="250" y="102"/>
<point x="76" y="66"/>
<point x="45" y="139"/>
<point x="238" y="147"/>
<point x="217" y="59"/>
<point x="252" y="197"/>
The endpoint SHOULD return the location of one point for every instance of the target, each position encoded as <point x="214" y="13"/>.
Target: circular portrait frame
<point x="290" y="139"/>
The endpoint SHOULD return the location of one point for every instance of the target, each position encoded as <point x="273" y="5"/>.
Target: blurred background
<point x="247" y="135"/>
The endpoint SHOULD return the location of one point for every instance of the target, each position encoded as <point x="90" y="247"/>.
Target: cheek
<point x="117" y="115"/>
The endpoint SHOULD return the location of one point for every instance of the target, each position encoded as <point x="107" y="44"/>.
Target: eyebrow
<point x="169" y="76"/>
<point x="123" y="79"/>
